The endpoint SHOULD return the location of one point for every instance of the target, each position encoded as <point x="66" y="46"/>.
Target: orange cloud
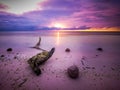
<point x="111" y="29"/>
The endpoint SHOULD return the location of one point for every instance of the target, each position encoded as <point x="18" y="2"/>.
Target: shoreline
<point x="54" y="32"/>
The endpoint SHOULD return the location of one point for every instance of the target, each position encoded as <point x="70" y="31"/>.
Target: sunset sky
<point x="68" y="14"/>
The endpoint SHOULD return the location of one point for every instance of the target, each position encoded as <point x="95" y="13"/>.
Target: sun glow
<point x="58" y="25"/>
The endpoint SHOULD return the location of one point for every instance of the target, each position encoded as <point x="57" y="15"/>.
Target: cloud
<point x="21" y="6"/>
<point x="94" y="13"/>
<point x="3" y="7"/>
<point x="61" y="4"/>
<point x="72" y="13"/>
<point x="13" y="22"/>
<point x="109" y="29"/>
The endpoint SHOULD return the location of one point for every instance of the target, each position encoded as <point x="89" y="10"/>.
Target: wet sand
<point x="98" y="70"/>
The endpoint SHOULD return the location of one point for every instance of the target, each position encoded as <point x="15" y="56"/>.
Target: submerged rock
<point x="15" y="57"/>
<point x="2" y="56"/>
<point x="99" y="49"/>
<point x="9" y="49"/>
<point x="73" y="72"/>
<point x="67" y="50"/>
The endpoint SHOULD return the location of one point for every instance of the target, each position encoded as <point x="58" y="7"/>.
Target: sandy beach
<point x="98" y="70"/>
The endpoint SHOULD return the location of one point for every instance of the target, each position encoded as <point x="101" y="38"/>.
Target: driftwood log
<point x="39" y="59"/>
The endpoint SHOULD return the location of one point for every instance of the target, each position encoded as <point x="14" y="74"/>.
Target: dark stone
<point x="9" y="49"/>
<point x="99" y="49"/>
<point x="2" y="56"/>
<point x="67" y="50"/>
<point x="96" y="55"/>
<point x="73" y="72"/>
<point x="93" y="67"/>
<point x="15" y="57"/>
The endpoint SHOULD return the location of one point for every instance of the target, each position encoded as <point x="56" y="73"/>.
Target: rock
<point x="99" y="49"/>
<point x="67" y="50"/>
<point x="73" y="72"/>
<point x="2" y="56"/>
<point x="15" y="57"/>
<point x="9" y="49"/>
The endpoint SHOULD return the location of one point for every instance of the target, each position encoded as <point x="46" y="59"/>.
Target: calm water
<point x="50" y="39"/>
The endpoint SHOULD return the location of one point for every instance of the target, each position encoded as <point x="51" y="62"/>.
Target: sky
<point x="33" y="15"/>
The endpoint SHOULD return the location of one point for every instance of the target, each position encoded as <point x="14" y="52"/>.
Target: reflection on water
<point x="58" y="38"/>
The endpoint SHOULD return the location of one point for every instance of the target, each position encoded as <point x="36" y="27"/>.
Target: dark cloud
<point x="13" y="22"/>
<point x="107" y="1"/>
<point x="84" y="27"/>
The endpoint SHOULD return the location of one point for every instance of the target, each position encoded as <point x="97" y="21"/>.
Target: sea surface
<point x="78" y="41"/>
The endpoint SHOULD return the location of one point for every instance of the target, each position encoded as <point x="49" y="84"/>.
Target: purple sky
<point x="44" y="14"/>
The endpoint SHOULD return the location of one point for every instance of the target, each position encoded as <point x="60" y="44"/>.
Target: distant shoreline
<point x="54" y="32"/>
